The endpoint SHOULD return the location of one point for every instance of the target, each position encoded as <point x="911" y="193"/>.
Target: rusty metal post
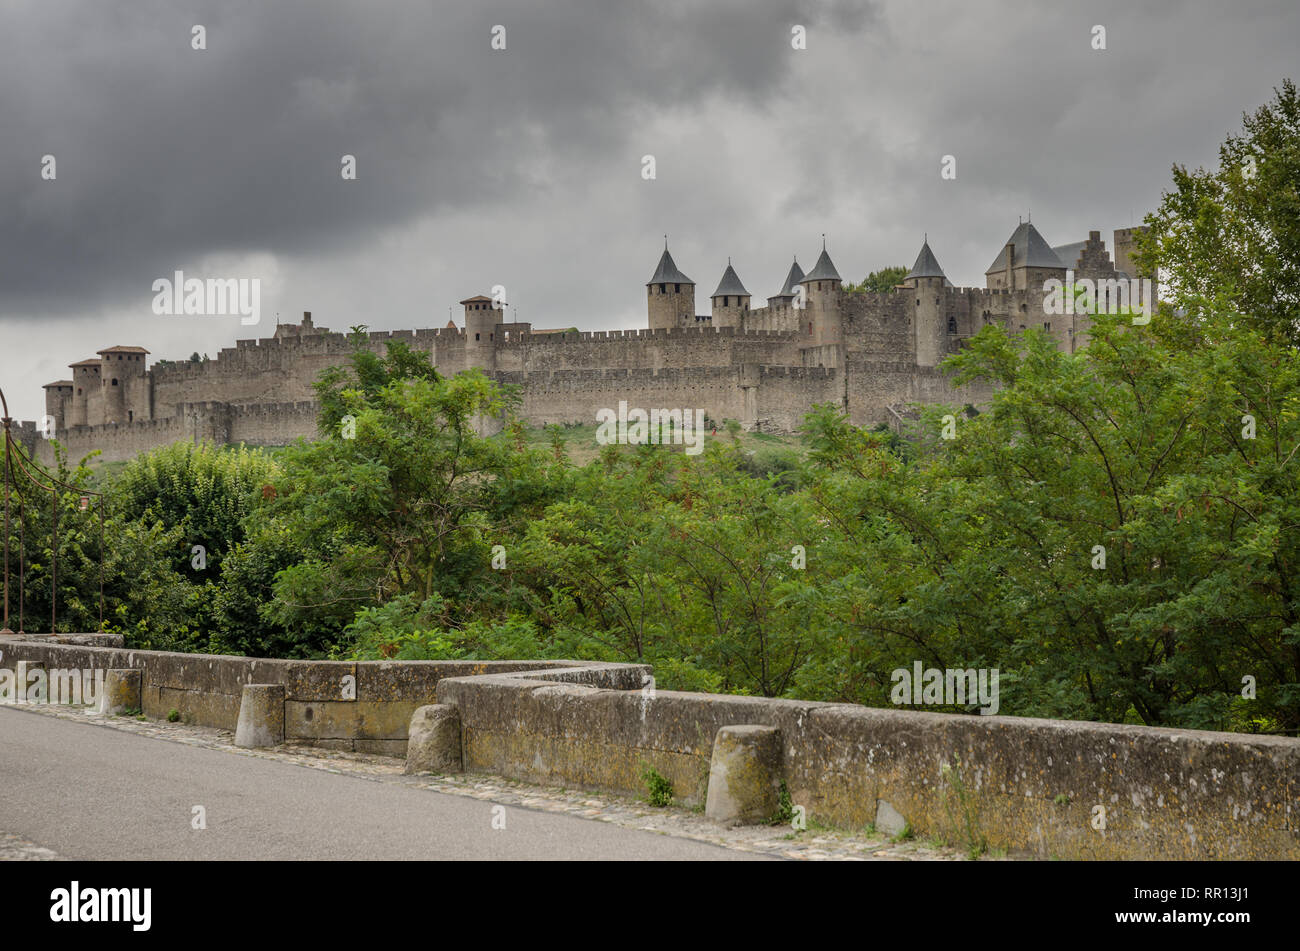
<point x="5" y="404"/>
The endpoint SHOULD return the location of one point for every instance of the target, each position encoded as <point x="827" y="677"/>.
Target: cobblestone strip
<point x="815" y="843"/>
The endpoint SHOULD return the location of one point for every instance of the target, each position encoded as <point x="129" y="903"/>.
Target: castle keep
<point x="813" y="342"/>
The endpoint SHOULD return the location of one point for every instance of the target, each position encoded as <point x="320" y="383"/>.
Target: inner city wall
<point x="1020" y="784"/>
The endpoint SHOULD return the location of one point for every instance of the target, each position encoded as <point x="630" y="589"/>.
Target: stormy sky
<point x="523" y="167"/>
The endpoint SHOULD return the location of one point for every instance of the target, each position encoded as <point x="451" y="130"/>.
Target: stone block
<point x="744" y="775"/>
<point x="121" y="692"/>
<point x="261" y="716"/>
<point x="433" y="740"/>
<point x="889" y="821"/>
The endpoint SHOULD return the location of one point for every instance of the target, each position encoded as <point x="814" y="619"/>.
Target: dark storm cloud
<point x="523" y="167"/>
<point x="164" y="151"/>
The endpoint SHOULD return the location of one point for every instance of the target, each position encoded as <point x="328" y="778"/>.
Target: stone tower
<point x="121" y="370"/>
<point x="820" y="318"/>
<point x="670" y="296"/>
<point x="1124" y="248"/>
<point x="85" y="393"/>
<point x="58" y="400"/>
<point x="730" y="300"/>
<point x="480" y="332"/>
<point x="929" y="291"/>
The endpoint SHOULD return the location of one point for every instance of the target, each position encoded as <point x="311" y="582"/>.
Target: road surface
<point x="90" y="792"/>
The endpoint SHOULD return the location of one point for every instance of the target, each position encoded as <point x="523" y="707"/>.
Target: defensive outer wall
<point x="1024" y="784"/>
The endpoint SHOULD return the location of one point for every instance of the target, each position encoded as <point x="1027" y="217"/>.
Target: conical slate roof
<point x="730" y="284"/>
<point x="667" y="273"/>
<point x="927" y="265"/>
<point x="823" y="270"/>
<point x="1031" y="251"/>
<point x="792" y="280"/>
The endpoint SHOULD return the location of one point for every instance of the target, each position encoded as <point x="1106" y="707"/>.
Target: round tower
<point x="730" y="300"/>
<point x="670" y="296"/>
<point x="480" y="332"/>
<point x="819" y="320"/>
<point x="928" y="286"/>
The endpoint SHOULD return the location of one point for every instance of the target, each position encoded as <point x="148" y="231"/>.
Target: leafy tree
<point x="1229" y="239"/>
<point x="144" y="596"/>
<point x="366" y="374"/>
<point x="398" y="509"/>
<point x="205" y="492"/>
<point x="879" y="282"/>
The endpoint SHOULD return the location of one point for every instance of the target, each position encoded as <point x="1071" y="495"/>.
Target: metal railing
<point x="17" y="462"/>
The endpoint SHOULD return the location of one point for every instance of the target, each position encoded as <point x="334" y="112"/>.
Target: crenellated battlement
<point x="815" y="341"/>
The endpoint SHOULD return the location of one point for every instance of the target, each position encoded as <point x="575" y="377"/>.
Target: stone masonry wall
<point x="1017" y="783"/>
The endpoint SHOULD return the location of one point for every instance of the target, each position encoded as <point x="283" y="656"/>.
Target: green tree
<point x="880" y="282"/>
<point x="1230" y="238"/>
<point x="205" y="492"/>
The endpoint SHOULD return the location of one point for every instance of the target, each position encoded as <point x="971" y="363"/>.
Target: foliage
<point x="879" y="282"/>
<point x="659" y="789"/>
<point x="1229" y="239"/>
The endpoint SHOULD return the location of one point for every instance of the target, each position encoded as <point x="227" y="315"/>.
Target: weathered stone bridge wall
<point x="1013" y="783"/>
<point x="205" y="689"/>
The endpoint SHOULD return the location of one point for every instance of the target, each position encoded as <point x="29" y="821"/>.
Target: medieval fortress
<point x="814" y="342"/>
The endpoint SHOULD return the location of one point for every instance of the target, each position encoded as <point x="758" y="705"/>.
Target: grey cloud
<point x="522" y="167"/>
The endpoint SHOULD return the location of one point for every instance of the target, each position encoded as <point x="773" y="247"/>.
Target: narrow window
<point x="952" y="325"/>
<point x="476" y="336"/>
<point x="115" y="381"/>
<point x="677" y="288"/>
<point x="663" y="288"/>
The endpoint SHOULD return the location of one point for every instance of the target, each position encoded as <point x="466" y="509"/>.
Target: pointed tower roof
<point x="730" y="284"/>
<point x="927" y="265"/>
<point x="667" y="273"/>
<point x="1031" y="251"/>
<point x="791" y="280"/>
<point x="823" y="270"/>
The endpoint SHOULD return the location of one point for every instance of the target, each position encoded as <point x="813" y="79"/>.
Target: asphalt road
<point x="89" y="792"/>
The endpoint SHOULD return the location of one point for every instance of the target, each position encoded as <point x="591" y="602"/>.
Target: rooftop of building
<point x="1030" y="250"/>
<point x="792" y="280"/>
<point x="730" y="284"/>
<point x="823" y="270"/>
<point x="927" y="265"/>
<point x="667" y="272"/>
